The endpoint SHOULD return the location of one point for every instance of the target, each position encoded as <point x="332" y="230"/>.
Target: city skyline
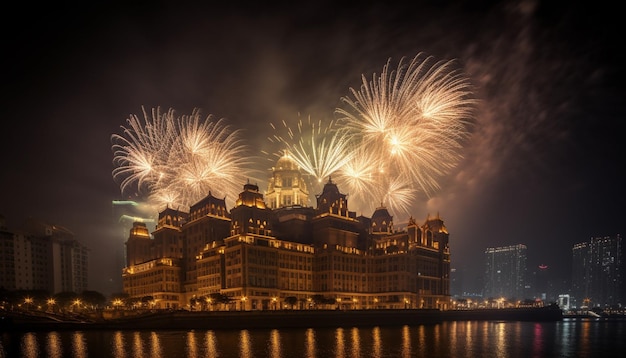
<point x="542" y="166"/>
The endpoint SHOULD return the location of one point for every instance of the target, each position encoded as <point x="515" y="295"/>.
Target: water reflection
<point x="118" y="344"/>
<point x="245" y="344"/>
<point x="310" y="343"/>
<point x="30" y="348"/>
<point x="211" y="344"/>
<point x="275" y="344"/>
<point x="137" y="345"/>
<point x="406" y="341"/>
<point x="192" y="345"/>
<point x="437" y="339"/>
<point x="376" y="343"/>
<point x="421" y="341"/>
<point x="54" y="347"/>
<point x="537" y="339"/>
<point x="79" y="347"/>
<point x="155" y="346"/>
<point x="356" y="342"/>
<point x="339" y="343"/>
<point x="448" y="339"/>
<point x="500" y="338"/>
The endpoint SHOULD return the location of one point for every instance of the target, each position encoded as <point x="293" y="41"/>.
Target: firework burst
<point x="411" y="122"/>
<point x="177" y="160"/>
<point x="320" y="149"/>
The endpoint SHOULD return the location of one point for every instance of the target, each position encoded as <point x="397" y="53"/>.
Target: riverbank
<point x="186" y="320"/>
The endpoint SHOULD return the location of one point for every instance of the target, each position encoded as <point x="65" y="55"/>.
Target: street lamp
<point x="77" y="303"/>
<point x="243" y="302"/>
<point x="274" y="301"/>
<point x="28" y="301"/>
<point x="51" y="302"/>
<point x="117" y="303"/>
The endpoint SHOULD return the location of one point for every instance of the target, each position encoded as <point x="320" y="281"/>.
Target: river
<point x="566" y="338"/>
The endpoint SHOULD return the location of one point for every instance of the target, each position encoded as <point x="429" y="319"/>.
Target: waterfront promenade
<point x="181" y="319"/>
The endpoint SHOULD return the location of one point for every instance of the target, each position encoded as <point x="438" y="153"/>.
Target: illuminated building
<point x="125" y="213"/>
<point x="581" y="273"/>
<point x="42" y="256"/>
<point x="505" y="272"/>
<point x="15" y="256"/>
<point x="256" y="257"/>
<point x="208" y="224"/>
<point x="288" y="198"/>
<point x="287" y="186"/>
<point x="597" y="272"/>
<point x="138" y="246"/>
<point x="333" y="224"/>
<point x="154" y="270"/>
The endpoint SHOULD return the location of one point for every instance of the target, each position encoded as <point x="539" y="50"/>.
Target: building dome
<point x="286" y="162"/>
<point x="331" y="190"/>
<point x="382" y="221"/>
<point x="331" y="200"/>
<point x="287" y="186"/>
<point x="381" y="214"/>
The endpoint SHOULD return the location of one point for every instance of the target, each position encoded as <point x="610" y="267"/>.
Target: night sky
<point x="543" y="166"/>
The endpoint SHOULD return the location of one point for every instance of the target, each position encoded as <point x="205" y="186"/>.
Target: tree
<point x="219" y="298"/>
<point x="94" y="299"/>
<point x="146" y="300"/>
<point x="66" y="298"/>
<point x="318" y="299"/>
<point x="120" y="299"/>
<point x="291" y="301"/>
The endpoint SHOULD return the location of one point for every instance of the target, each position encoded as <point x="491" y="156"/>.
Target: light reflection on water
<point x="310" y="343"/>
<point x="339" y="343"/>
<point x="53" y="346"/>
<point x="118" y="342"/>
<point x="30" y="347"/>
<point x="448" y="339"/>
<point x="377" y="344"/>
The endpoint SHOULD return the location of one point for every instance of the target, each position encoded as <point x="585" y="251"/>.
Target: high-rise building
<point x="505" y="272"/>
<point x="125" y="213"/>
<point x="597" y="272"/>
<point x="258" y="257"/>
<point x="42" y="256"/>
<point x="581" y="273"/>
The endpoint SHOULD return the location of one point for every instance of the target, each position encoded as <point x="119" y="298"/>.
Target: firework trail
<point x="410" y="123"/>
<point x="320" y="149"/>
<point x="176" y="160"/>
